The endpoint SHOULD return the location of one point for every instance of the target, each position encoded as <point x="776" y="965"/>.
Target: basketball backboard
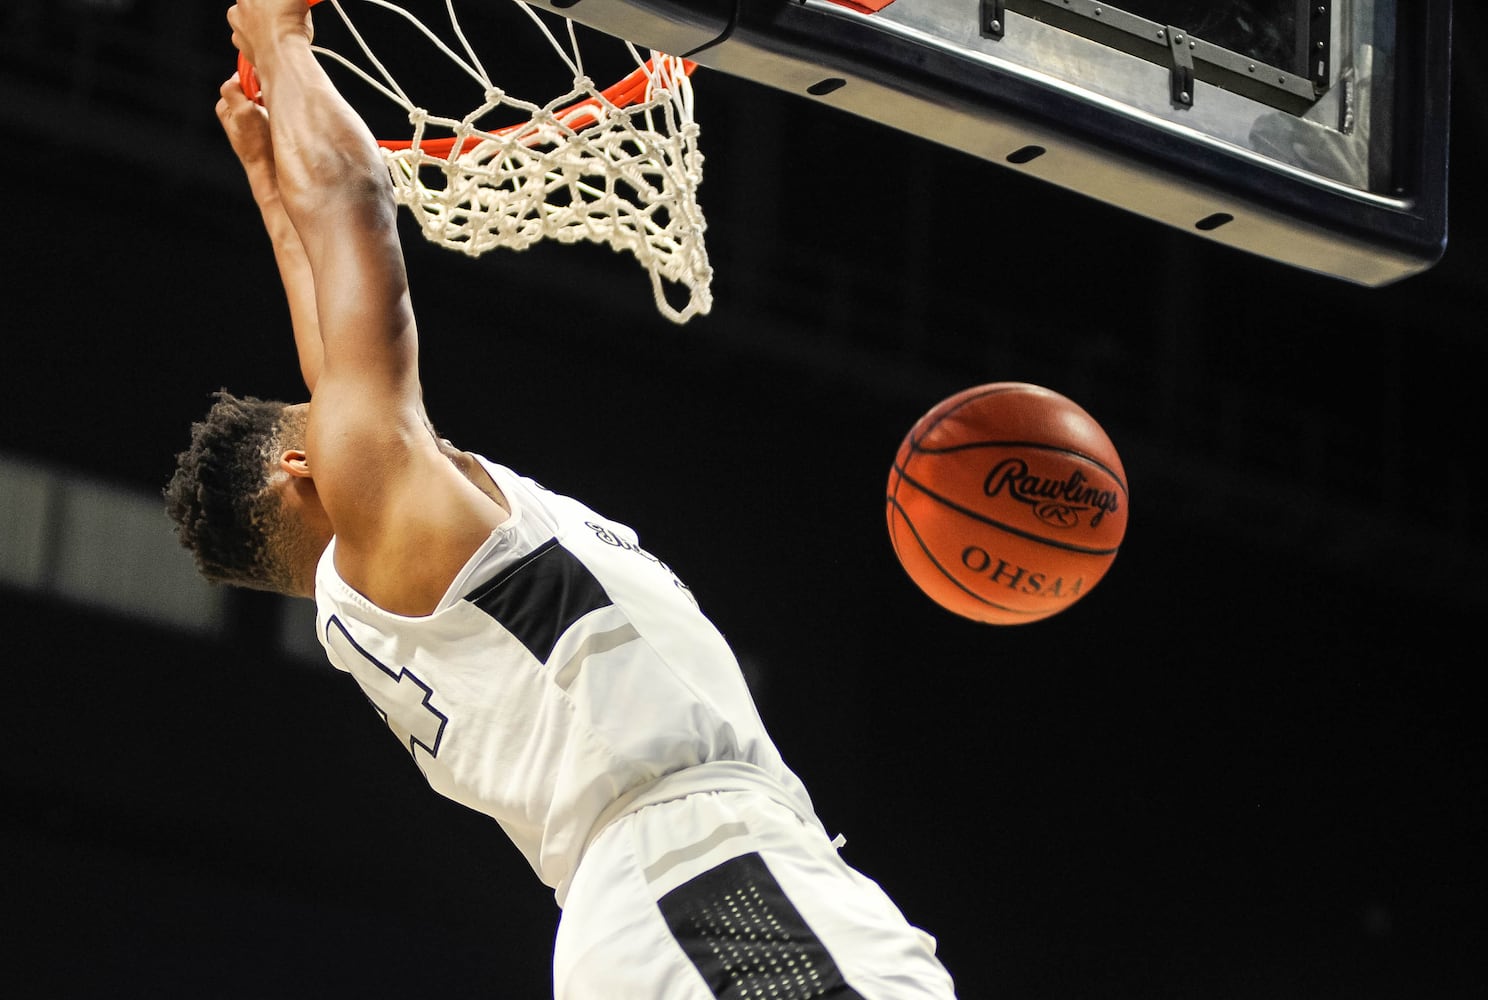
<point x="1309" y="132"/>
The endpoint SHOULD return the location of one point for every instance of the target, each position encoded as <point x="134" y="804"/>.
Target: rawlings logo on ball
<point x="1054" y="501"/>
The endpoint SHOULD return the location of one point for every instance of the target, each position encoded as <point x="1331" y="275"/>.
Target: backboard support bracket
<point x="1320" y="42"/>
<point x="1181" y="72"/>
<point x="994" y="19"/>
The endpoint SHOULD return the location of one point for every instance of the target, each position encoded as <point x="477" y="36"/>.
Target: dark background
<point x="1248" y="764"/>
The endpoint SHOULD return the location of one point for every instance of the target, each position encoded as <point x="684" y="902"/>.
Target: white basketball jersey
<point x="565" y="671"/>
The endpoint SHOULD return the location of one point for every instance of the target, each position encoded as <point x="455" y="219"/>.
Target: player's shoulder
<point x="407" y="519"/>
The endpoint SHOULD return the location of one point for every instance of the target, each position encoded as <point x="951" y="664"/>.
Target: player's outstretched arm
<point x="247" y="127"/>
<point x="404" y="518"/>
<point x="336" y="193"/>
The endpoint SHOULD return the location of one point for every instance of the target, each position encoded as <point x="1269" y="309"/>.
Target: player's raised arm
<point x="335" y="191"/>
<point x="403" y="517"/>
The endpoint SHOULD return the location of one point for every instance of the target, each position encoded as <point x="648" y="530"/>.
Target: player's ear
<point x="295" y="463"/>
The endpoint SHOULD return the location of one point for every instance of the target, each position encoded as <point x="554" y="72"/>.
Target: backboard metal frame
<point x="1342" y="172"/>
<point x="1190" y="56"/>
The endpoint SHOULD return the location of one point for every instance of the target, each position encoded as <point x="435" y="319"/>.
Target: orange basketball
<point x="1007" y="503"/>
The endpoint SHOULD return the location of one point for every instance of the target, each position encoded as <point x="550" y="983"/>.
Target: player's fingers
<point x="232" y="91"/>
<point x="244" y="121"/>
<point x="226" y="112"/>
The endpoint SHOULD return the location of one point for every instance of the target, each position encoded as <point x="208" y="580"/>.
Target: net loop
<point x="619" y="167"/>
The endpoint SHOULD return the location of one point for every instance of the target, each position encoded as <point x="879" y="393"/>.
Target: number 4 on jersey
<point x="399" y="697"/>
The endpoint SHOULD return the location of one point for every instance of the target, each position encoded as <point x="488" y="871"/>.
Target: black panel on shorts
<point x="747" y="940"/>
<point x="540" y="597"/>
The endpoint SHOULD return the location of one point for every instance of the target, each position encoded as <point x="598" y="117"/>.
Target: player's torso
<point x="575" y="666"/>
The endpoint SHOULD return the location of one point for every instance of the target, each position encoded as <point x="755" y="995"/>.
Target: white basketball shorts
<point x="730" y="895"/>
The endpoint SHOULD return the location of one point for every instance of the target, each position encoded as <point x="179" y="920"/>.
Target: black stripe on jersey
<point x="537" y="599"/>
<point x="747" y="939"/>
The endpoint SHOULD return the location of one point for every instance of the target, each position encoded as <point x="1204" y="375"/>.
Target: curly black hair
<point x="219" y="496"/>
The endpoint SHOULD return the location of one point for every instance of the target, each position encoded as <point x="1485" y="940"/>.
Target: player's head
<point x="228" y="499"/>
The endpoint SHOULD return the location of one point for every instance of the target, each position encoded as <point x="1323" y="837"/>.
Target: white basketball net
<point x="580" y="167"/>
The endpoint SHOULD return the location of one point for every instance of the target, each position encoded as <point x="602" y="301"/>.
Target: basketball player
<point x="538" y="664"/>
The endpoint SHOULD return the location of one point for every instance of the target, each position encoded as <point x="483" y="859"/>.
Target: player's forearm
<point x="329" y="171"/>
<point x="337" y="197"/>
<point x="299" y="285"/>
